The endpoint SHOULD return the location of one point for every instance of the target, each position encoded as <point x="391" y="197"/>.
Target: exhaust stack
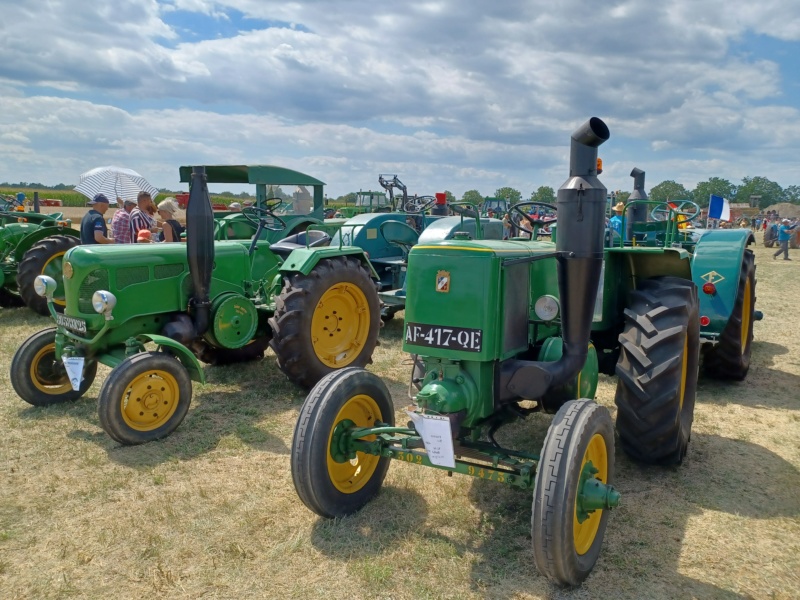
<point x="637" y="214"/>
<point x="200" y="248"/>
<point x="581" y="204"/>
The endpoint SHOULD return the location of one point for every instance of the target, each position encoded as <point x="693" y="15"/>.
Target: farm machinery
<point x="499" y="329"/>
<point x="216" y="302"/>
<point x="31" y="244"/>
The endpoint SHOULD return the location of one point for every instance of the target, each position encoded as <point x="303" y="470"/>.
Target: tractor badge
<point x="712" y="277"/>
<point x="443" y="281"/>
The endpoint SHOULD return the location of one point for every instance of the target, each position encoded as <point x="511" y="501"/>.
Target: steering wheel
<point x="412" y="207"/>
<point x="534" y="221"/>
<point x="10" y="202"/>
<point x="465" y="209"/>
<point x="263" y="216"/>
<point x="684" y="208"/>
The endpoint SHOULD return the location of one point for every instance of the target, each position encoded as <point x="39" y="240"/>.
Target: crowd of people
<point x="134" y="221"/>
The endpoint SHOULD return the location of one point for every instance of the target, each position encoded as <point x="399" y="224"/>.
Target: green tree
<point x="449" y="195"/>
<point x="792" y="194"/>
<point x="473" y="196"/>
<point x="715" y="185"/>
<point x="770" y="192"/>
<point x="620" y="196"/>
<point x="510" y="194"/>
<point x="544" y="194"/>
<point x="669" y="190"/>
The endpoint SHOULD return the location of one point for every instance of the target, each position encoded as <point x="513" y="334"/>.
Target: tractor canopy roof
<point x="255" y="174"/>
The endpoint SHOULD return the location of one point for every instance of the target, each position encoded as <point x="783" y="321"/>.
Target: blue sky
<point x="448" y="94"/>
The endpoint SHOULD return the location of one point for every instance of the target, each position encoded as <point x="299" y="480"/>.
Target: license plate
<point x="71" y="323"/>
<point x="436" y="336"/>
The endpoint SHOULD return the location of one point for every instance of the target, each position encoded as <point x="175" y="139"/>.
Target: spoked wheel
<point x="331" y="479"/>
<point x="39" y="378"/>
<point x="326" y="320"/>
<point x="573" y="492"/>
<point x="657" y="370"/>
<point x="730" y="358"/>
<point x="144" y="398"/>
<point x="44" y="258"/>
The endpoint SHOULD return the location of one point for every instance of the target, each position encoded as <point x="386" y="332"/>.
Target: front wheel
<point x="40" y="378"/>
<point x="331" y="480"/>
<point x="573" y="492"/>
<point x="326" y="320"/>
<point x="144" y="398"/>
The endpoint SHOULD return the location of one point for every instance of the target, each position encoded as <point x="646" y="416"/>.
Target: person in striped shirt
<point x="141" y="216"/>
<point x="121" y="222"/>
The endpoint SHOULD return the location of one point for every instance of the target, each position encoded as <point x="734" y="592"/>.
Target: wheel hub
<point x="340" y="325"/>
<point x="150" y="400"/>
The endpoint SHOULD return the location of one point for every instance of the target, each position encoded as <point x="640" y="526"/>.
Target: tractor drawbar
<point x="579" y="247"/>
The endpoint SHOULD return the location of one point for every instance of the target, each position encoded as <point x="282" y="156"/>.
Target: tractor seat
<point x="309" y="239"/>
<point x="399" y="234"/>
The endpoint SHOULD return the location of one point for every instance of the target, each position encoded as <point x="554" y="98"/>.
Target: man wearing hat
<point x="93" y="224"/>
<point x="615" y="222"/>
<point x="121" y="222"/>
<point x="784" y="235"/>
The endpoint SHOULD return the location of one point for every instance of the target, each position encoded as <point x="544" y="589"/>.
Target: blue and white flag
<point x="719" y="208"/>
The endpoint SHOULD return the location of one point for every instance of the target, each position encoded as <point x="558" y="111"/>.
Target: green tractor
<point x="499" y="329"/>
<point x="216" y="302"/>
<point x="31" y="244"/>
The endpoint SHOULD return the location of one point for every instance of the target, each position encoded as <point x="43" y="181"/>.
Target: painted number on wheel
<point x="435" y="336"/>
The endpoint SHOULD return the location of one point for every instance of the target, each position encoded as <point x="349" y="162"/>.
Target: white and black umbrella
<point x="114" y="182"/>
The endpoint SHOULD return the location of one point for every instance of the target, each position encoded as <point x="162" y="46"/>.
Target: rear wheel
<point x="577" y="463"/>
<point x="326" y="320"/>
<point x="144" y="398"/>
<point x="9" y="300"/>
<point x="329" y="480"/>
<point x="730" y="358"/>
<point x="39" y="378"/>
<point x="657" y="370"/>
<point x="44" y="258"/>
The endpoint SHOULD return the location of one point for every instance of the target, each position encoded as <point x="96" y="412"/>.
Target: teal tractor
<point x="499" y="329"/>
<point x="31" y="244"/>
<point x="152" y="313"/>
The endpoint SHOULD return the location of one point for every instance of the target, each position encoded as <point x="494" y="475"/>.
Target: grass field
<point x="211" y="511"/>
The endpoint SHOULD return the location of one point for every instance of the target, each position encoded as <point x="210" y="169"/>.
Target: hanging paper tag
<point x="435" y="433"/>
<point x="74" y="367"/>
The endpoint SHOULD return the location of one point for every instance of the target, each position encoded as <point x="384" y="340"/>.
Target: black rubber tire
<point x="9" y="299"/>
<point x="728" y="360"/>
<point x="294" y="310"/>
<point x="769" y="243"/>
<point x="661" y="327"/>
<point x="48" y="372"/>
<point x="310" y="449"/>
<point x="115" y="389"/>
<point x="33" y="264"/>
<point x="556" y="487"/>
<point x="227" y="356"/>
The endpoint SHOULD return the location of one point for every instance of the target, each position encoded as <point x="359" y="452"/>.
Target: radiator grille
<point x="167" y="271"/>
<point x="132" y="275"/>
<point x="96" y="280"/>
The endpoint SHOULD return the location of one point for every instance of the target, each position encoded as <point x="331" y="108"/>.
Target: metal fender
<point x="37" y="235"/>
<point x="303" y="260"/>
<point x="183" y="354"/>
<point x="718" y="259"/>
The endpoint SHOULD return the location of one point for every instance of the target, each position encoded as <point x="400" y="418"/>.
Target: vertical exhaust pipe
<point x="200" y="248"/>
<point x="581" y="202"/>
<point x="637" y="214"/>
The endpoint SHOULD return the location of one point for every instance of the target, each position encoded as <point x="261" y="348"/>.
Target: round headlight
<point x="66" y="269"/>
<point x="546" y="308"/>
<point x="103" y="301"/>
<point x="44" y="285"/>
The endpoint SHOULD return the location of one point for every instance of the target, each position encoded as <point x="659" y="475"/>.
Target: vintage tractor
<point x="215" y="302"/>
<point x="31" y="244"/>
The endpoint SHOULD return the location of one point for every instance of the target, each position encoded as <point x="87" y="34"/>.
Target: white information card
<point x="435" y="433"/>
<point x="74" y="367"/>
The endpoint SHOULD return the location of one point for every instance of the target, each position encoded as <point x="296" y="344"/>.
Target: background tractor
<point x="212" y="301"/>
<point x="500" y="329"/>
<point x="31" y="244"/>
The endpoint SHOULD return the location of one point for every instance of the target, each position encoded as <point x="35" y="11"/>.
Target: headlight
<point x="44" y="285"/>
<point x="103" y="301"/>
<point x="66" y="270"/>
<point x="546" y="308"/>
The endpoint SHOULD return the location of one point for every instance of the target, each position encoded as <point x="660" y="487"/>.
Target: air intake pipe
<point x="638" y="213"/>
<point x="581" y="204"/>
<point x="200" y="248"/>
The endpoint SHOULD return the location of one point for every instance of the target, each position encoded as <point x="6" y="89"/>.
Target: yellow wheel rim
<point x="55" y="270"/>
<point x="684" y="370"/>
<point x="746" y="309"/>
<point x="340" y="325"/>
<point x="44" y="374"/>
<point x="585" y="533"/>
<point x="150" y="400"/>
<point x="350" y="476"/>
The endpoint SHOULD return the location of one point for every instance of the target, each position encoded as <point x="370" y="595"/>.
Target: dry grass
<point x="211" y="511"/>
